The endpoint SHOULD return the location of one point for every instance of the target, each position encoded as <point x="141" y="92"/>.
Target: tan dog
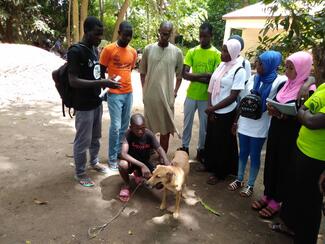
<point x="173" y="177"/>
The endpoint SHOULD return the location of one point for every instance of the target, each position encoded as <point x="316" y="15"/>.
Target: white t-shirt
<point x="228" y="82"/>
<point x="259" y="127"/>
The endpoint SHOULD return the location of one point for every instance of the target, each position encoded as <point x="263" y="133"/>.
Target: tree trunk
<point x="101" y="12"/>
<point x="120" y="17"/>
<point x="9" y="31"/>
<point x="75" y="21"/>
<point x="83" y="16"/>
<point x="69" y="24"/>
<point x="319" y="64"/>
<point x="148" y="23"/>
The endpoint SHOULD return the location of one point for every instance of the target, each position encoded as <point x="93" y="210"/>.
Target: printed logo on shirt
<point x="118" y="63"/>
<point x="140" y="146"/>
<point x="96" y="71"/>
<point x="90" y="63"/>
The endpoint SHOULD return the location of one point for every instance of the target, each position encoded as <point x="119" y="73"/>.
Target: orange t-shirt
<point x="119" y="61"/>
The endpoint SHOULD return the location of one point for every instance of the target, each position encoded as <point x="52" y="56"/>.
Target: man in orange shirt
<point x="118" y="59"/>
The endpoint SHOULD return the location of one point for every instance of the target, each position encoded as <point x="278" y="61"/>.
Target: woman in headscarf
<point x="226" y="83"/>
<point x="253" y="132"/>
<point x="282" y="136"/>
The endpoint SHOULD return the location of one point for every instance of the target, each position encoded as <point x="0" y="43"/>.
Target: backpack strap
<point x="240" y="67"/>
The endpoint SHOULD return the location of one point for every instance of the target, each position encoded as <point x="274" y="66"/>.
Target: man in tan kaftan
<point x="160" y="62"/>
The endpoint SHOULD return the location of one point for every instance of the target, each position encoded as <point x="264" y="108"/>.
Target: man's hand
<point x="145" y="172"/>
<point x="167" y="163"/>
<point x="209" y="110"/>
<point x="322" y="183"/>
<point x="110" y="83"/>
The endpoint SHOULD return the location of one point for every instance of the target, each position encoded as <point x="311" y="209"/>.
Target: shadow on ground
<point x="36" y="163"/>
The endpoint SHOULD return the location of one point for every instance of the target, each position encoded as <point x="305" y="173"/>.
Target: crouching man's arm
<point x="163" y="156"/>
<point x="127" y="157"/>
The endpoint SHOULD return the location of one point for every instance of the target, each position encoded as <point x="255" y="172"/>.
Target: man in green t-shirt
<point x="203" y="59"/>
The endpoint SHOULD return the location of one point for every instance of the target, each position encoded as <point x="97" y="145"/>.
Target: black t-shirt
<point x="83" y="62"/>
<point x="140" y="148"/>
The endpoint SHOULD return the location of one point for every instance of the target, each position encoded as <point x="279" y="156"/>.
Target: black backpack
<point x="61" y="79"/>
<point x="251" y="106"/>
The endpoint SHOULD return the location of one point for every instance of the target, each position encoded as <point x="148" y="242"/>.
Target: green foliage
<point x="31" y="20"/>
<point x="218" y="8"/>
<point x="146" y="17"/>
<point x="304" y="29"/>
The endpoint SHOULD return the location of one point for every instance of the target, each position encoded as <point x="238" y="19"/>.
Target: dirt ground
<point x="36" y="166"/>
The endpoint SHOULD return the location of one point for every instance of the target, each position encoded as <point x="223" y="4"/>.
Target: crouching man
<point x="136" y="149"/>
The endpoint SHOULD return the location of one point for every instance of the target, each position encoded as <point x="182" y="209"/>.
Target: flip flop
<point x="85" y="181"/>
<point x="124" y="195"/>
<point x="212" y="180"/>
<point x="270" y="210"/>
<point x="281" y="228"/>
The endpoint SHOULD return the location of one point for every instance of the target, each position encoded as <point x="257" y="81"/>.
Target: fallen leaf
<point x="130" y="232"/>
<point x="39" y="202"/>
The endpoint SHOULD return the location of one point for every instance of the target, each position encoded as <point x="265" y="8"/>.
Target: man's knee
<point x="123" y="165"/>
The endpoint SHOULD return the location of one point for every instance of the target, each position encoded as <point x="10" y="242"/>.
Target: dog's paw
<point x="175" y="215"/>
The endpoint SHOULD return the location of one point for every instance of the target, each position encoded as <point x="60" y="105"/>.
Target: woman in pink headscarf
<point x="226" y="83"/>
<point x="282" y="136"/>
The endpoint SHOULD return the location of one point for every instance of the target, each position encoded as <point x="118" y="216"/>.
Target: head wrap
<point x="240" y="39"/>
<point x="270" y="62"/>
<point x="233" y="47"/>
<point x="302" y="62"/>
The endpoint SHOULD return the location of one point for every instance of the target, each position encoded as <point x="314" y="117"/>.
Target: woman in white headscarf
<point x="225" y="85"/>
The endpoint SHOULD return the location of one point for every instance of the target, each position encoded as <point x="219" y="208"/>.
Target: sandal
<point x="235" y="185"/>
<point x="281" y="228"/>
<point x="212" y="180"/>
<point x="260" y="204"/>
<point x="270" y="210"/>
<point x="124" y="195"/>
<point x="85" y="181"/>
<point x="200" y="168"/>
<point x="247" y="191"/>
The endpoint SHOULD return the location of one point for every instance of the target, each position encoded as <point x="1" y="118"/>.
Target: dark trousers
<point x="221" y="145"/>
<point x="301" y="210"/>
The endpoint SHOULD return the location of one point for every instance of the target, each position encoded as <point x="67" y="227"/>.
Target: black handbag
<point x="251" y="106"/>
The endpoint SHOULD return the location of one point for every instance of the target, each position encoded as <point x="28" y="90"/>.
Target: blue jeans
<point x="119" y="107"/>
<point x="88" y="132"/>
<point x="190" y="106"/>
<point x="249" y="146"/>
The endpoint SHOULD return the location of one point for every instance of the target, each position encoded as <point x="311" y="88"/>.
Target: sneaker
<point x="100" y="168"/>
<point x="113" y="165"/>
<point x="235" y="185"/>
<point x="185" y="149"/>
<point x="247" y="191"/>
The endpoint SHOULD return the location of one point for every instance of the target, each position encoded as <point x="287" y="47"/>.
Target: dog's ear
<point x="169" y="176"/>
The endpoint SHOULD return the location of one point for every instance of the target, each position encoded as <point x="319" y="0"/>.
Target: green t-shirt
<point x="201" y="61"/>
<point x="312" y="142"/>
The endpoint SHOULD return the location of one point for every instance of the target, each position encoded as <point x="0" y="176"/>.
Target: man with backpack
<point x="86" y="82"/>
